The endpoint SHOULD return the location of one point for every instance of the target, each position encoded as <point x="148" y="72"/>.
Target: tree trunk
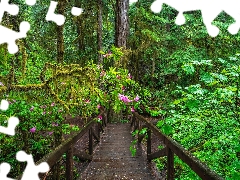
<point x="121" y="23"/>
<point x="99" y="32"/>
<point x="60" y="37"/>
<point x="80" y="28"/>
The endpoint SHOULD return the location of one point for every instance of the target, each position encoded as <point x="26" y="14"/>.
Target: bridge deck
<point x="112" y="158"/>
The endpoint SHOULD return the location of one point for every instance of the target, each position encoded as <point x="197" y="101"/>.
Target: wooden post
<point x="69" y="164"/>
<point x="99" y="129"/>
<point x="90" y="141"/>
<point x="133" y="119"/>
<point x="139" y="129"/>
<point x="149" y="142"/>
<point x="104" y="120"/>
<point x="170" y="164"/>
<point x="135" y="123"/>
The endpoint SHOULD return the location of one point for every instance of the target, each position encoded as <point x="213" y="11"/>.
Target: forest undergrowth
<point x="178" y="74"/>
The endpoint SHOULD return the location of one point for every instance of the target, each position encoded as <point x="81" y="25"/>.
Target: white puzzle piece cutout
<point x="51" y="16"/>
<point x="31" y="171"/>
<point x="12" y="121"/>
<point x="10" y="130"/>
<point x="30" y="2"/>
<point x="4" y="105"/>
<point x="4" y="170"/>
<point x="9" y="36"/>
<point x="6" y="7"/>
<point x="76" y="11"/>
<point x="210" y="9"/>
<point x="132" y="1"/>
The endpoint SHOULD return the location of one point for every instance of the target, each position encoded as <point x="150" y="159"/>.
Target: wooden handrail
<point x="56" y="154"/>
<point x="67" y="147"/>
<point x="172" y="147"/>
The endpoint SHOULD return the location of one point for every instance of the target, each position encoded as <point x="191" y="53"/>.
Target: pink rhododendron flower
<point x="43" y="107"/>
<point x="50" y="133"/>
<point x="32" y="108"/>
<point x="108" y="54"/>
<point x="53" y="104"/>
<point x="120" y="96"/>
<point x="103" y="73"/>
<point x="136" y="98"/>
<point x="98" y="106"/>
<point x="44" y="113"/>
<point x="33" y="130"/>
<point x="100" y="117"/>
<point x="54" y="124"/>
<point x="132" y="109"/>
<point x="124" y="98"/>
<point x="129" y="76"/>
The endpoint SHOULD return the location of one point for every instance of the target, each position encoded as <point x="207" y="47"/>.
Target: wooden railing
<point x="67" y="147"/>
<point x="172" y="147"/>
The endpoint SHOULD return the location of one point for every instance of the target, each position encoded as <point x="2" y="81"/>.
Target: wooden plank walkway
<point x="112" y="159"/>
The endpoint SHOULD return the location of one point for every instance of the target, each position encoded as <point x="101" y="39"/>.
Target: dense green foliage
<point x="182" y="76"/>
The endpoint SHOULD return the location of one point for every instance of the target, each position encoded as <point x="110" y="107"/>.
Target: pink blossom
<point x="1" y="84"/>
<point x="120" y="96"/>
<point x="124" y="98"/>
<point x="32" y="108"/>
<point x="87" y="101"/>
<point x="129" y="76"/>
<point x="54" y="124"/>
<point x="50" y="133"/>
<point x="136" y="98"/>
<point x="118" y="77"/>
<point x="33" y="130"/>
<point x="108" y="54"/>
<point x="43" y="107"/>
<point x="98" y="106"/>
<point x="53" y="104"/>
<point x="132" y="109"/>
<point x="100" y="117"/>
<point x="103" y="73"/>
<point x="44" y="113"/>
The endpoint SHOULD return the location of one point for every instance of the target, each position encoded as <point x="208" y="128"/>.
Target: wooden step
<point x="112" y="158"/>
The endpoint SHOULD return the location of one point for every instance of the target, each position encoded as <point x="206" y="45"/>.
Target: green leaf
<point x="188" y="68"/>
<point x="160" y="123"/>
<point x="207" y="78"/>
<point x="167" y="129"/>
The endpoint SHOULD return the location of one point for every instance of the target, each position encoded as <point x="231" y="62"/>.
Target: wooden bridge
<point x="112" y="158"/>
